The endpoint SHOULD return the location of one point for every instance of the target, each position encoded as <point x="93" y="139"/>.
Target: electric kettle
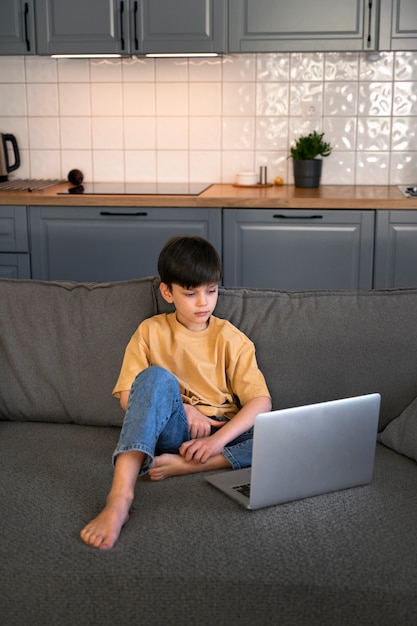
<point x="5" y="165"/>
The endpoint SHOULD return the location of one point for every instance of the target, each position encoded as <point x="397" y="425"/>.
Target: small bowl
<point x="246" y="178"/>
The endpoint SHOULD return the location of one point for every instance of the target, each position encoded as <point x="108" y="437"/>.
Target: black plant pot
<point x="307" y="173"/>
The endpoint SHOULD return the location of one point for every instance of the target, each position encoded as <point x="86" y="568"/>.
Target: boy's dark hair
<point x="189" y="261"/>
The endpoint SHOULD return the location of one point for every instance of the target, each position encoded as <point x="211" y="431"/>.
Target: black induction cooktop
<point x="149" y="189"/>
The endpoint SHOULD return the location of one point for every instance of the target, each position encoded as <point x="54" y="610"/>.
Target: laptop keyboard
<point x="243" y="489"/>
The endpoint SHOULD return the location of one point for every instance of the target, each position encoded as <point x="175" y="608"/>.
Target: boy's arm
<point x="202" y="449"/>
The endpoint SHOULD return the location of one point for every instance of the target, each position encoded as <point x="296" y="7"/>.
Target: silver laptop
<point x="306" y="451"/>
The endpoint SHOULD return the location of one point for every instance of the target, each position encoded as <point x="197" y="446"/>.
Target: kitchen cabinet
<point x="130" y="26"/>
<point x="100" y="244"/>
<point x="316" y="25"/>
<point x="398" y="25"/>
<point x="298" y="250"/>
<point x="395" y="249"/>
<point x="14" y="243"/>
<point x="17" y="27"/>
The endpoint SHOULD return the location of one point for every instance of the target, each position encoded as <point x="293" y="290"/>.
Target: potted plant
<point x="307" y="168"/>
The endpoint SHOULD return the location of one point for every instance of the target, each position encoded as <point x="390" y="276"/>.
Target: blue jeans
<point x="155" y="421"/>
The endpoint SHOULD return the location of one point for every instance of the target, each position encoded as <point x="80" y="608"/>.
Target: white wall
<point x="204" y="120"/>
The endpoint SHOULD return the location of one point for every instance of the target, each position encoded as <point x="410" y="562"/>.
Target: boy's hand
<point x="199" y="424"/>
<point x="200" y="450"/>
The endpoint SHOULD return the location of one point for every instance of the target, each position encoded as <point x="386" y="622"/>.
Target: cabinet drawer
<point x="13" y="229"/>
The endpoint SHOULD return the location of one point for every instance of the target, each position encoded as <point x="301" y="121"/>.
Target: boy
<point x="189" y="384"/>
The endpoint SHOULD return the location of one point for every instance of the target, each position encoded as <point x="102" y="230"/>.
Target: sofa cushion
<point x="401" y="434"/>
<point x="61" y="347"/>
<point x="317" y="346"/>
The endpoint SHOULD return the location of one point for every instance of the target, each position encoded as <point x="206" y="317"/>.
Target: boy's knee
<point x="154" y="374"/>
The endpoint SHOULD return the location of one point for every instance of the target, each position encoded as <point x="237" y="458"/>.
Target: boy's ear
<point x="166" y="292"/>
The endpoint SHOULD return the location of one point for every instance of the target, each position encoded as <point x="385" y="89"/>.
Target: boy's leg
<point x="155" y="411"/>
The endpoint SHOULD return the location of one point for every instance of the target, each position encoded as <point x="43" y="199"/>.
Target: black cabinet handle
<point x="122" y="34"/>
<point x="297" y="217"/>
<point x="137" y="214"/>
<point x="369" y="40"/>
<point x="27" y="40"/>
<point x="135" y="25"/>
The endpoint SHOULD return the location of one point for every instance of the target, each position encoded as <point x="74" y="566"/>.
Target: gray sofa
<point x="188" y="554"/>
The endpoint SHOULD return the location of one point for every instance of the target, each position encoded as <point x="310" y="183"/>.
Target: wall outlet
<point x="311" y="110"/>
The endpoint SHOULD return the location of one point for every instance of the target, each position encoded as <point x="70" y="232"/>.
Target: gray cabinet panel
<point x="396" y="249"/>
<point x="13" y="229"/>
<point x="398" y="25"/>
<point x="130" y="26"/>
<point x="105" y="244"/>
<point x="298" y="250"/>
<point x="268" y="26"/>
<point x="17" y="27"/>
<point x="14" y="266"/>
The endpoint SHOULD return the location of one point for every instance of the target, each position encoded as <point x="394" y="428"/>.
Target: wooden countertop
<point x="229" y="196"/>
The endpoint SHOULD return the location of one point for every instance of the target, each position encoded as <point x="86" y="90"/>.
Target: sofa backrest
<point x="61" y="347"/>
<point x="62" y="344"/>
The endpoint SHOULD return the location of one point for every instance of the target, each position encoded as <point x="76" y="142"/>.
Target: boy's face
<point x="193" y="306"/>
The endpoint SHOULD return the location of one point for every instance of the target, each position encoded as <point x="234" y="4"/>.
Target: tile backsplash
<point x="203" y="120"/>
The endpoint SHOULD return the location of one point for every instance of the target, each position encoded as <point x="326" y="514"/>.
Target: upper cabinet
<point x="398" y="25"/>
<point x="17" y="27"/>
<point x="300" y="25"/>
<point x="130" y="26"/>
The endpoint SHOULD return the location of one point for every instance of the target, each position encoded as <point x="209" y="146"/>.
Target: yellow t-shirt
<point x="216" y="368"/>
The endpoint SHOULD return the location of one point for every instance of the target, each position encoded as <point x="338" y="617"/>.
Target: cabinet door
<point x="396" y="249"/>
<point x="13" y="229"/>
<point x="317" y="25"/>
<point x="105" y="244"/>
<point x="182" y="25"/>
<point x="17" y="27"/>
<point x="80" y="27"/>
<point x="14" y="266"/>
<point x="297" y="250"/>
<point x="398" y="27"/>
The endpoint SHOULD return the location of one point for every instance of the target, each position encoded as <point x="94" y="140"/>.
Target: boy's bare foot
<point x="104" y="530"/>
<point x="166" y="465"/>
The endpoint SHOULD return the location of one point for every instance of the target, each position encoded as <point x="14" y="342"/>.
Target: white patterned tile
<point x="44" y="133"/>
<point x="140" y="166"/>
<point x="375" y="99"/>
<point x="403" y="168"/>
<point x="339" y="169"/>
<point x="45" y="163"/>
<point x="205" y="98"/>
<point x="304" y="92"/>
<point x="307" y="66"/>
<point x="107" y="133"/>
<point x="171" y="70"/>
<point x="205" y="70"/>
<point x="238" y="99"/>
<point x="372" y="168"/>
<point x="236" y="161"/>
<point x="341" y="66"/>
<point x="77" y="159"/>
<point x="238" y="133"/>
<point x="138" y="70"/>
<point x="405" y="98"/>
<point x="205" y="166"/>
<point x="172" y="133"/>
<point x="41" y="70"/>
<point x="404" y="133"/>
<point x="273" y="67"/>
<point x="374" y="134"/>
<point x="271" y="133"/>
<point x="74" y="99"/>
<point x="172" y="166"/>
<point x="105" y="70"/>
<point x="172" y="98"/>
<point x="205" y="133"/>
<point x="106" y="99"/>
<point x="108" y="166"/>
<point x="12" y="69"/>
<point x="139" y="99"/>
<point x="405" y="67"/>
<point x="140" y="133"/>
<point x="75" y="133"/>
<point x="382" y="69"/>
<point x="340" y="99"/>
<point x="239" y="68"/>
<point x="272" y="99"/>
<point x="42" y="100"/>
<point x="340" y="132"/>
<point x="73" y="70"/>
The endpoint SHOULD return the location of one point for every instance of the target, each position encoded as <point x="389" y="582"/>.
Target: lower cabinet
<point x="14" y="242"/>
<point x="395" y="249"/>
<point x="298" y="250"/>
<point x="100" y="244"/>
